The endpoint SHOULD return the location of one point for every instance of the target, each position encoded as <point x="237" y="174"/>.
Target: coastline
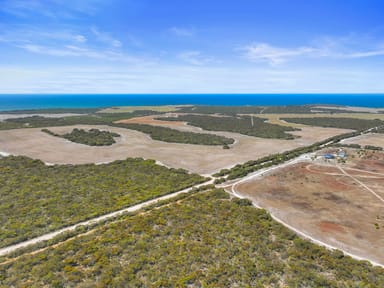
<point x="15" y="102"/>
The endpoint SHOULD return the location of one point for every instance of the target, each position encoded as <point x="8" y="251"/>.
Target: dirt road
<point x="49" y="236"/>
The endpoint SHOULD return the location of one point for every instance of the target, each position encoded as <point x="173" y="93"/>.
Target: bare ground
<point x="201" y="159"/>
<point x="352" y="108"/>
<point x="374" y="139"/>
<point x="276" y="118"/>
<point x="54" y="115"/>
<point x="318" y="199"/>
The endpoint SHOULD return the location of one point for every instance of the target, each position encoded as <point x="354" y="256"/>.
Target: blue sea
<point x="44" y="101"/>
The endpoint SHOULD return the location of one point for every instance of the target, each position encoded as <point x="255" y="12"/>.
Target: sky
<point x="191" y="46"/>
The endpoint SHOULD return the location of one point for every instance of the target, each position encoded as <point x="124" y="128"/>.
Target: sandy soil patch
<point x="195" y="158"/>
<point x="327" y="205"/>
<point x="150" y="120"/>
<point x="122" y="109"/>
<point x="13" y="116"/>
<point x="374" y="139"/>
<point x="351" y="108"/>
<point x="276" y="118"/>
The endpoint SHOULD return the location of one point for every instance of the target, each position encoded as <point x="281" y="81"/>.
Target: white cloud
<point x="24" y="34"/>
<point x="106" y="38"/>
<point x="51" y="8"/>
<point x="182" y="32"/>
<point x="349" y="47"/>
<point x="373" y="53"/>
<point x="80" y="38"/>
<point x="75" y="51"/>
<point x="194" y="58"/>
<point x="275" y="55"/>
<point x="187" y="79"/>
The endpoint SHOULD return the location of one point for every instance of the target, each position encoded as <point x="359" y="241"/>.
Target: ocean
<point x="46" y="101"/>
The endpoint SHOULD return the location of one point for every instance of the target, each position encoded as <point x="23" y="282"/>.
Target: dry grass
<point x="150" y="120"/>
<point x="275" y="118"/>
<point x="374" y="139"/>
<point x="351" y="108"/>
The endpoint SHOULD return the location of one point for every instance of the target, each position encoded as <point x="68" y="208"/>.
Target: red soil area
<point x="330" y="227"/>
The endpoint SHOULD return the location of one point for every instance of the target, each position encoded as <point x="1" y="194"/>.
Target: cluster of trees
<point x="36" y="198"/>
<point x="86" y="119"/>
<point x="241" y="170"/>
<point x="345" y="123"/>
<point x="371" y="147"/>
<point x="206" y="240"/>
<point x="175" y="136"/>
<point x="247" y="125"/>
<point x="379" y="129"/>
<point x="93" y="137"/>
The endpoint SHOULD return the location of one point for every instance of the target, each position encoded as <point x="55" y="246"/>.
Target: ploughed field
<point x="343" y="208"/>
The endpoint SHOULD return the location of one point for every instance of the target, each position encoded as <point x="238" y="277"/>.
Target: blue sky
<point x="169" y="46"/>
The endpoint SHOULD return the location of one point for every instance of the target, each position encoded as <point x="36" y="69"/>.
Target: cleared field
<point x="373" y="139"/>
<point x="56" y="115"/>
<point x="341" y="206"/>
<point x="276" y="118"/>
<point x="123" y="109"/>
<point x="151" y="120"/>
<point x="200" y="159"/>
<point x="352" y="108"/>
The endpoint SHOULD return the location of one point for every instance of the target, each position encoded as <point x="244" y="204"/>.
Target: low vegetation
<point x="36" y="198"/>
<point x="93" y="137"/>
<point x="345" y="123"/>
<point x="379" y="129"/>
<point x="206" y="240"/>
<point x="251" y="126"/>
<point x="157" y="133"/>
<point x="175" y="136"/>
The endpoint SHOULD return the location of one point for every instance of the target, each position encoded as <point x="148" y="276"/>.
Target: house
<point x="341" y="154"/>
<point x="329" y="156"/>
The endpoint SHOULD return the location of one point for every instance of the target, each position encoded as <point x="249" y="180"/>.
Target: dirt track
<point x="327" y="205"/>
<point x="195" y="158"/>
<point x="134" y="208"/>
